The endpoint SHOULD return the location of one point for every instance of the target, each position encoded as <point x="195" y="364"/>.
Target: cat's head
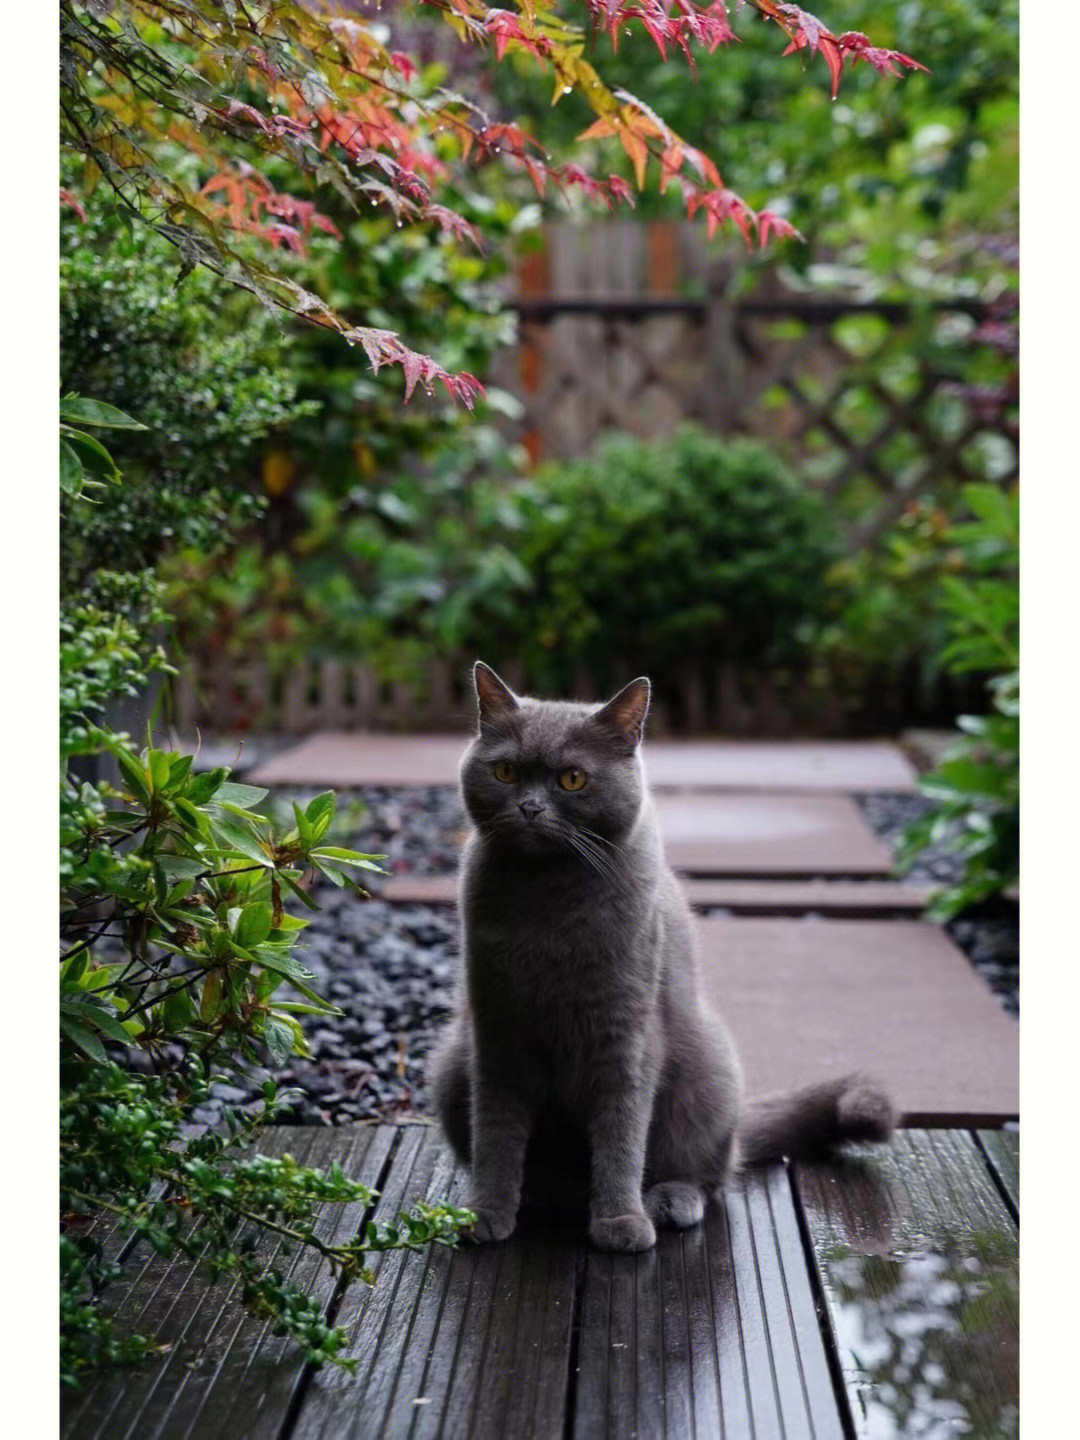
<point x="549" y="775"/>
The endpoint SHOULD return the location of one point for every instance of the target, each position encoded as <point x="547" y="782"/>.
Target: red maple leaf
<point x="768" y="220"/>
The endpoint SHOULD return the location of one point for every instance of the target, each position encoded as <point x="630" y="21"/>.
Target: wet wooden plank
<point x="222" y="1362"/>
<point x="916" y="1253"/>
<point x="713" y="1333"/>
<point x="1002" y="1150"/>
<point x="472" y="1341"/>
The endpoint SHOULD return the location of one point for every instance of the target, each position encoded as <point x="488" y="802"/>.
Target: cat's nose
<point x="530" y="808"/>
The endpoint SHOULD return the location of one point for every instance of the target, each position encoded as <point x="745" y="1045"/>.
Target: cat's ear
<point x="626" y="712"/>
<point x="495" y="699"/>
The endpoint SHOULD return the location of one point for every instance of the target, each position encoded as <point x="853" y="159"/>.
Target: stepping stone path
<point x="811" y="961"/>
<point x="357" y="758"/>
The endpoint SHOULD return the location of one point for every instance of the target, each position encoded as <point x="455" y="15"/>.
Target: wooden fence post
<point x="724" y="380"/>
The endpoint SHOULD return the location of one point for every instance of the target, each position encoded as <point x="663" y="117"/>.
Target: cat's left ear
<point x="494" y="696"/>
<point x="626" y="712"/>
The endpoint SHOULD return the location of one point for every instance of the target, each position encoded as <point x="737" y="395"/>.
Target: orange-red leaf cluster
<point x="249" y="199"/>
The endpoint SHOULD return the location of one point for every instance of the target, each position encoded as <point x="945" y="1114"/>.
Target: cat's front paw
<point x="623" y="1232"/>
<point x="490" y="1225"/>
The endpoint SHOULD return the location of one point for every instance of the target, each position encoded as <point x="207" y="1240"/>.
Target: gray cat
<point x="583" y="1065"/>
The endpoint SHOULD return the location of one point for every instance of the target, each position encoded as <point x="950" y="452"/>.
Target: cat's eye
<point x="573" y="779"/>
<point x="506" y="771"/>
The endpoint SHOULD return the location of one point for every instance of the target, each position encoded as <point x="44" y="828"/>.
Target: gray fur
<point x="583" y="1066"/>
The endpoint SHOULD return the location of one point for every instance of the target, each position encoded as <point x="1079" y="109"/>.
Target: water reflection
<point x="927" y="1337"/>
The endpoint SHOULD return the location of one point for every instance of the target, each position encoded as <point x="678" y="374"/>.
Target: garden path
<point x="815" y="957"/>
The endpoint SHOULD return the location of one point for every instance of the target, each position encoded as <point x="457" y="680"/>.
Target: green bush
<point x="205" y="369"/>
<point x="657" y="556"/>
<point x="178" y="966"/>
<point x="976" y="788"/>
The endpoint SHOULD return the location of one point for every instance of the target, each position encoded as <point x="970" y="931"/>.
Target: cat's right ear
<point x="625" y="714"/>
<point x="495" y="699"/>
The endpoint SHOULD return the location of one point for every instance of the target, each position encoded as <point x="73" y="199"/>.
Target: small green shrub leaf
<point x="254" y="924"/>
<point x="79" y="410"/>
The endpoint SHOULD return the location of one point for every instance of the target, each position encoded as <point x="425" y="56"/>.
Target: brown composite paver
<point x="809" y="998"/>
<point x="346" y="759"/>
<point x="359" y="758"/>
<point x="730" y="833"/>
<point x="847" y="765"/>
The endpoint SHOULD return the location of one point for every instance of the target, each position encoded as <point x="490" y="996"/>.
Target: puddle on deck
<point x="927" y="1338"/>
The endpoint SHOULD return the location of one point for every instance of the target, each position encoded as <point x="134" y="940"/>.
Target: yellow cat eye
<point x="506" y="772"/>
<point x="573" y="779"/>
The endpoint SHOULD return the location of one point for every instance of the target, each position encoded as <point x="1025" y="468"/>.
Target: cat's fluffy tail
<point x="814" y="1121"/>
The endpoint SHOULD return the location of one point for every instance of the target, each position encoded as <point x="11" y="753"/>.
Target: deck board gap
<point x="574" y="1349"/>
<point x="1000" y="1182"/>
<point x="417" y="1298"/>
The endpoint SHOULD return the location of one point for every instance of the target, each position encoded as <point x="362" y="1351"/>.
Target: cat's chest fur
<point x="556" y="963"/>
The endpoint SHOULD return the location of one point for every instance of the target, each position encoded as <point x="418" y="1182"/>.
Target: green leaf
<point x="91" y="452"/>
<point x="246" y="844"/>
<point x="297" y="976"/>
<point x="245" y="796"/>
<point x="179" y="769"/>
<point x="303" y="825"/>
<point x="91" y="1012"/>
<point x="178" y="1010"/>
<point x="349" y="857"/>
<point x="279" y="1041"/>
<point x="160" y="766"/>
<point x="254" y="924"/>
<point x="79" y="410"/>
<point x="298" y="890"/>
<point x="205" y="785"/>
<point x="210" y="1002"/>
<point x="72" y="971"/>
<point x="134" y="774"/>
<point x="320" y="812"/>
<point x="182" y="867"/>
<point x="85" y="1039"/>
<point x="72" y="474"/>
<point x="190" y="814"/>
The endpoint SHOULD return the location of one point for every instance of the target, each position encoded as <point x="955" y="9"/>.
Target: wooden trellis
<point x="632" y="328"/>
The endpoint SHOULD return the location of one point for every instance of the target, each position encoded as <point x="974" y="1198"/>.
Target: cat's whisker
<point x="581" y="842"/>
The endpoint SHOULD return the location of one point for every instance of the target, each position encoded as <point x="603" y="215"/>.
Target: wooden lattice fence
<point x="634" y="328"/>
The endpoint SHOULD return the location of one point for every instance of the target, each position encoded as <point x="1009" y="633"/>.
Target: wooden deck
<point x="871" y="1297"/>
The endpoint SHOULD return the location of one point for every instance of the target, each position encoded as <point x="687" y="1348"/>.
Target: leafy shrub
<point x="976" y="787"/>
<point x="202" y="366"/>
<point x="179" y="962"/>
<point x="657" y="556"/>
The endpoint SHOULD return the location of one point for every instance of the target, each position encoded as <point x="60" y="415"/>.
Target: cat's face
<point x="544" y="776"/>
